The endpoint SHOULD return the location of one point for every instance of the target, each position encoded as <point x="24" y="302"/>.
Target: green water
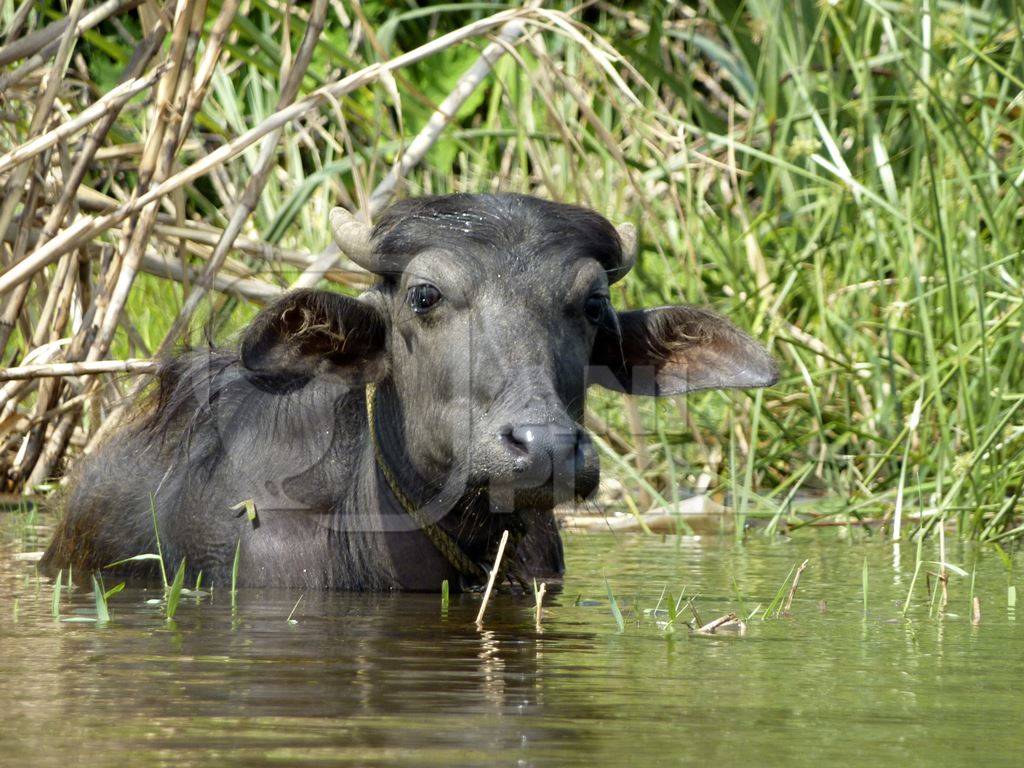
<point x="390" y="679"/>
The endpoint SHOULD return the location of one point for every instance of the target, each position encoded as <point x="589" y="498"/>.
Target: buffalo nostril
<point x="512" y="441"/>
<point x="545" y="442"/>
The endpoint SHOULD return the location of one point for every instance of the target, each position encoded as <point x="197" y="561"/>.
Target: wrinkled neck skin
<point x="463" y="513"/>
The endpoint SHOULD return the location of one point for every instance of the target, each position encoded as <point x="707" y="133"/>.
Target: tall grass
<point x="845" y="179"/>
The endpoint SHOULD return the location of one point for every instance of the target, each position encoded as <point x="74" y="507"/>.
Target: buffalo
<point x="385" y="442"/>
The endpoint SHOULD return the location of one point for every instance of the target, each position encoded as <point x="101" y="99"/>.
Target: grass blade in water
<point x="613" y="603"/>
<point x="55" y="602"/>
<point x="174" y="593"/>
<point x="102" y="613"/>
<point x="113" y="591"/>
<point x="156" y="533"/>
<point x="234" y="576"/>
<point x="290" y="620"/>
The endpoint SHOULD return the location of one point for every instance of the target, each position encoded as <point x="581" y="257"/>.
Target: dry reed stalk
<point x="18" y="21"/>
<point x="157" y="160"/>
<point x="792" y="587"/>
<point x="539" y="598"/>
<point x="110" y="103"/>
<point x="15" y="185"/>
<point x="728" y="621"/>
<point x="22" y="235"/>
<point x="257" y="179"/>
<point x="37" y="456"/>
<point x="172" y="268"/>
<point x="205" y="234"/>
<point x="490" y="579"/>
<point x="423" y="141"/>
<point x="12" y="391"/>
<point x="31" y="43"/>
<point x="55" y="447"/>
<point x="204" y="72"/>
<point x="42" y="47"/>
<point x="86" y="228"/>
<point x="72" y="181"/>
<point x="47" y="370"/>
<point x="446" y="111"/>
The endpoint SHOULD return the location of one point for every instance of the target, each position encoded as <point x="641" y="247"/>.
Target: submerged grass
<point x="844" y="179"/>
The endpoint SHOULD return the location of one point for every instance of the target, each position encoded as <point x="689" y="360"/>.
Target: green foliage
<point x="830" y="175"/>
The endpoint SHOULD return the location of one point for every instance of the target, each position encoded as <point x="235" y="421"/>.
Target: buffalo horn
<point x="353" y="238"/>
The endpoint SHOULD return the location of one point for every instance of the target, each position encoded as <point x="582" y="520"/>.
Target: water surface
<point x="393" y="679"/>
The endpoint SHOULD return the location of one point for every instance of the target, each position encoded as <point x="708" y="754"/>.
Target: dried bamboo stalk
<point x="143" y="53"/>
<point x="199" y="233"/>
<point x="86" y="228"/>
<point x="109" y="103"/>
<point x="257" y="179"/>
<point x="160" y="149"/>
<point x="792" y="589"/>
<point x="446" y="111"/>
<point x="18" y="21"/>
<point x="43" y="47"/>
<point x="36" y="458"/>
<point x="172" y="268"/>
<point x="424" y="140"/>
<point x="16" y="183"/>
<point x="490" y="579"/>
<point x="204" y="72"/>
<point x="90" y="368"/>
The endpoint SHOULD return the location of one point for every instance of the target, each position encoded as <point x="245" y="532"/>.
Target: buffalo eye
<point x="594" y="308"/>
<point x="423" y="298"/>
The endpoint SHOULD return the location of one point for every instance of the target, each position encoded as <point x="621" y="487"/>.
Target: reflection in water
<point x="375" y="679"/>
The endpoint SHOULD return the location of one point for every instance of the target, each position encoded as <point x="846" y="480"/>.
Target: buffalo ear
<point x="674" y="350"/>
<point x="308" y="333"/>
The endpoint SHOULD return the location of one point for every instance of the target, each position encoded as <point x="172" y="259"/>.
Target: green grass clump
<point x="846" y="180"/>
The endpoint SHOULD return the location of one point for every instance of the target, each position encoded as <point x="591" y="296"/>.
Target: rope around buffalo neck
<point x="444" y="543"/>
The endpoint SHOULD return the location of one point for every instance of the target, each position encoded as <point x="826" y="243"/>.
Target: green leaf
<point x="174" y="593"/>
<point x="234" y="575"/>
<point x="113" y="591"/>
<point x="102" y="614"/>
<point x="619" y="621"/>
<point x="249" y="505"/>
<point x="55" y="602"/>
<point x="134" y="559"/>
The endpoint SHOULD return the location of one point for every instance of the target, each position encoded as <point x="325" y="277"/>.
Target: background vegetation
<point x="844" y="177"/>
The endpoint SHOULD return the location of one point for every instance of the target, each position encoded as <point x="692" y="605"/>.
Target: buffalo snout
<point x="548" y="455"/>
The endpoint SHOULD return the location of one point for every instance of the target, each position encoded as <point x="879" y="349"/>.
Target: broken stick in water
<point x="490" y="579"/>
<point x="793" y="586"/>
<point x="729" y="621"/>
<point x="538" y="594"/>
<point x="976" y="617"/>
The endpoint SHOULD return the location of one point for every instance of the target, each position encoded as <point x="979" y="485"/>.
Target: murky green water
<point x="389" y="679"/>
